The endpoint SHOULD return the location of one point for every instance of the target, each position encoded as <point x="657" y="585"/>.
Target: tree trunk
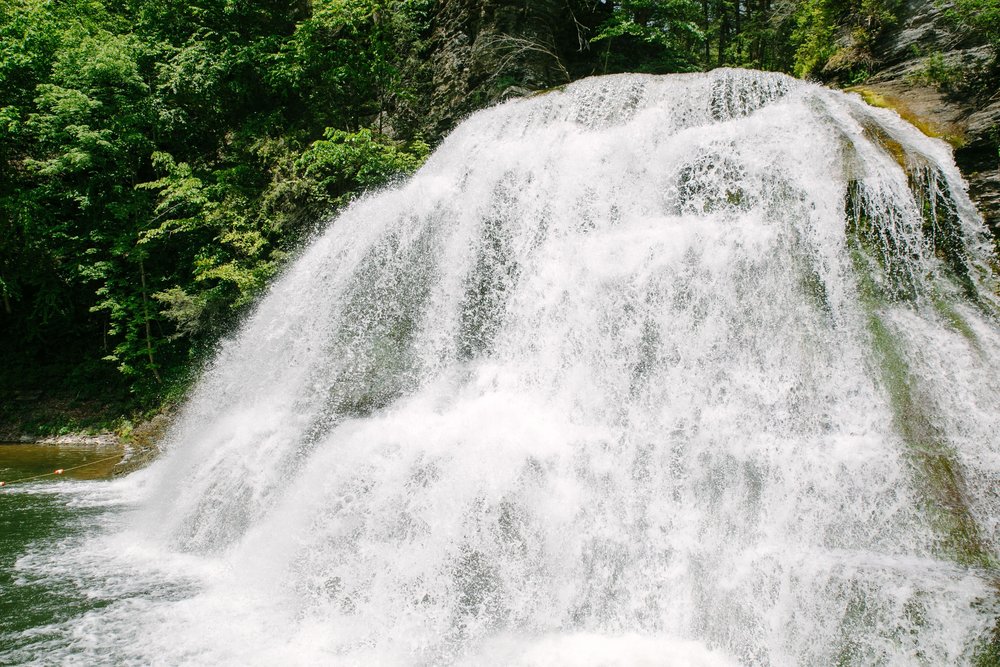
<point x="707" y="30"/>
<point x="145" y="316"/>
<point x="723" y="19"/>
<point x="738" y="29"/>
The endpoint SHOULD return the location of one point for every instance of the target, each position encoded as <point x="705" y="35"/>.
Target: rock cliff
<point x="948" y="83"/>
<point x="938" y="77"/>
<point x="484" y="51"/>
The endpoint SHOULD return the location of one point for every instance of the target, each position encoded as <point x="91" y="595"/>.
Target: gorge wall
<point x="940" y="77"/>
<point x="946" y="79"/>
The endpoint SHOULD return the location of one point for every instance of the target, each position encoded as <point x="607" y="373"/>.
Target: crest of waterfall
<point x="692" y="370"/>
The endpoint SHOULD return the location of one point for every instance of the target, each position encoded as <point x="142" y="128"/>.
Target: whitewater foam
<point x="628" y="373"/>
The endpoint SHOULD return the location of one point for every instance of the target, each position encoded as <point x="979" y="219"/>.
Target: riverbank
<point x="54" y="410"/>
<point x="105" y="439"/>
<point x="137" y="439"/>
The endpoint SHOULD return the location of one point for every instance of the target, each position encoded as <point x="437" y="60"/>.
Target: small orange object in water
<point x="58" y="472"/>
<point x="3" y="483"/>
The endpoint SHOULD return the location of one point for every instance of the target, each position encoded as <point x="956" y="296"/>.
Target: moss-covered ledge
<point x="924" y="108"/>
<point x="974" y="134"/>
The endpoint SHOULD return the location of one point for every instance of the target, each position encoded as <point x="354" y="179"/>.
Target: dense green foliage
<point x="161" y="160"/>
<point x="811" y="38"/>
<point x="982" y="16"/>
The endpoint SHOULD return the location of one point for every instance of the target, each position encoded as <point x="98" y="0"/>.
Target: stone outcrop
<point x="142" y="444"/>
<point x="484" y="51"/>
<point x="949" y="83"/>
<point x="480" y="52"/>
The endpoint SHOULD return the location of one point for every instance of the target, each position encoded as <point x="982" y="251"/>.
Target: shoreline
<point x="97" y="440"/>
<point x="139" y="445"/>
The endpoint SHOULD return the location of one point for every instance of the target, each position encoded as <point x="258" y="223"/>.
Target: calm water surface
<point x="18" y="461"/>
<point x="39" y="517"/>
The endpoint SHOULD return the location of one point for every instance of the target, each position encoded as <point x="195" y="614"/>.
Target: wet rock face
<point x="980" y="161"/>
<point x="485" y="51"/>
<point x="966" y="107"/>
<point x="142" y="446"/>
<point x="471" y="58"/>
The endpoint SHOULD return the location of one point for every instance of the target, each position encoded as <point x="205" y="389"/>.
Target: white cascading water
<point x="684" y="370"/>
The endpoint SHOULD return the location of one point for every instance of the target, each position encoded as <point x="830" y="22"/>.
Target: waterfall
<point x="693" y="370"/>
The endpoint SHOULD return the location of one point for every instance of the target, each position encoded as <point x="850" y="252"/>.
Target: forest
<point x="161" y="161"/>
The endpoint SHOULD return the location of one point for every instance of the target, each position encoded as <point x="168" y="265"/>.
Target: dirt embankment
<point x="52" y="417"/>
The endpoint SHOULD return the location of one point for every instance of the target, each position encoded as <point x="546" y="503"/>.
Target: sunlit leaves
<point x="667" y="31"/>
<point x="344" y="162"/>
